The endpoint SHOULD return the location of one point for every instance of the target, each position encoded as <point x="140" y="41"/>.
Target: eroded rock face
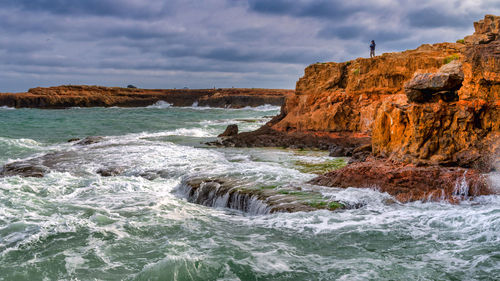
<point x="408" y="182"/>
<point x="439" y="133"/>
<point x="486" y="31"/>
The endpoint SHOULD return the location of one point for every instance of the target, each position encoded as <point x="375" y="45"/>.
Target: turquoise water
<point x="74" y="224"/>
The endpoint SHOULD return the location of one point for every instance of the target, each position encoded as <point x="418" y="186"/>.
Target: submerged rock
<point x="226" y="193"/>
<point x="90" y="140"/>
<point x="110" y="171"/>
<point x="24" y="169"/>
<point x="38" y="166"/>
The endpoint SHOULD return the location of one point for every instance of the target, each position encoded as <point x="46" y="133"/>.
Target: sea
<point x="75" y="224"/>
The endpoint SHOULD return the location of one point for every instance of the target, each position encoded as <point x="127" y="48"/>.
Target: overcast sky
<point x="207" y="43"/>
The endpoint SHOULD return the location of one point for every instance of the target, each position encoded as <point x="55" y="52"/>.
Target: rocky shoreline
<point x="93" y="96"/>
<point x="423" y="125"/>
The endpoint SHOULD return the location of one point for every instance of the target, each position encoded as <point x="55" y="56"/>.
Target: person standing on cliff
<point x="372" y="49"/>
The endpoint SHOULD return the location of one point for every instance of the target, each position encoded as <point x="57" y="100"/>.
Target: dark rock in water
<point x="408" y="182"/>
<point x="357" y="153"/>
<point x="24" y="169"/>
<point x="39" y="166"/>
<point x="226" y="193"/>
<point x="90" y="140"/>
<point x="360" y="153"/>
<point x="110" y="171"/>
<point x="340" y="151"/>
<point x="231" y="130"/>
<point x="73" y="139"/>
<point x="268" y="137"/>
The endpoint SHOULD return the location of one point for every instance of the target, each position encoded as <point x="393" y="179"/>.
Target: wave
<point x="160" y="105"/>
<point x="188" y="132"/>
<point x="22" y="143"/>
<point x="494" y="179"/>
<point x="265" y="108"/>
<point x="7" y="107"/>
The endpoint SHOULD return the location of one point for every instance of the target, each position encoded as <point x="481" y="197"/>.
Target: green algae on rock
<point x="227" y="193"/>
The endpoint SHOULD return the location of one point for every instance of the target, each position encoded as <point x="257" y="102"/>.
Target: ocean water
<point x="74" y="224"/>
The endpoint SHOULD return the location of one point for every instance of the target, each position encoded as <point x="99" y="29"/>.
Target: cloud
<point x="121" y="8"/>
<point x="431" y="17"/>
<point x="242" y="43"/>
<point x="305" y="8"/>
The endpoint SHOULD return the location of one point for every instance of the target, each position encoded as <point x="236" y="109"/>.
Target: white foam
<point x="160" y="105"/>
<point x="494" y="179"/>
<point x="265" y="107"/>
<point x="22" y="142"/>
<point x="7" y="107"/>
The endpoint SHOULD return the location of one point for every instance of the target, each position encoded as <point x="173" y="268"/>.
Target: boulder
<point x="444" y="84"/>
<point x="231" y="130"/>
<point x="453" y="68"/>
<point x="434" y="82"/>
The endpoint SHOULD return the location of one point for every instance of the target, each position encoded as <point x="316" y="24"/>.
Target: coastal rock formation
<point x="224" y="193"/>
<point x="435" y="106"/>
<point x="486" y="30"/>
<point x="408" y="182"/>
<point x="89" y="96"/>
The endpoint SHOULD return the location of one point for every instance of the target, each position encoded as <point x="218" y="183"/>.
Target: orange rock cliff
<point x="368" y="97"/>
<point x="435" y="105"/>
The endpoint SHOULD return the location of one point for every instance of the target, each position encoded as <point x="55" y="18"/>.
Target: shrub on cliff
<point x="451" y="58"/>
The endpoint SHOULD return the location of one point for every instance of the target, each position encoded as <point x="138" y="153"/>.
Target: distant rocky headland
<point x="421" y="124"/>
<point x="92" y="96"/>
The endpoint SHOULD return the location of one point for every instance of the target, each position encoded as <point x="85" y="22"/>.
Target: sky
<point x="211" y="43"/>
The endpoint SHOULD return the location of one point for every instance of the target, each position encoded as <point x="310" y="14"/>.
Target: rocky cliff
<point x="435" y="105"/>
<point x="88" y="96"/>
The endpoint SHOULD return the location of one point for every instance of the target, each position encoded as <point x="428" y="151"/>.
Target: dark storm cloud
<point x="174" y="43"/>
<point x="123" y="8"/>
<point x="432" y="17"/>
<point x="304" y="8"/>
<point x="361" y="32"/>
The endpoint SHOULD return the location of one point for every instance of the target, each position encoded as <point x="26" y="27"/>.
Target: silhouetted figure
<point x="372" y="49"/>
